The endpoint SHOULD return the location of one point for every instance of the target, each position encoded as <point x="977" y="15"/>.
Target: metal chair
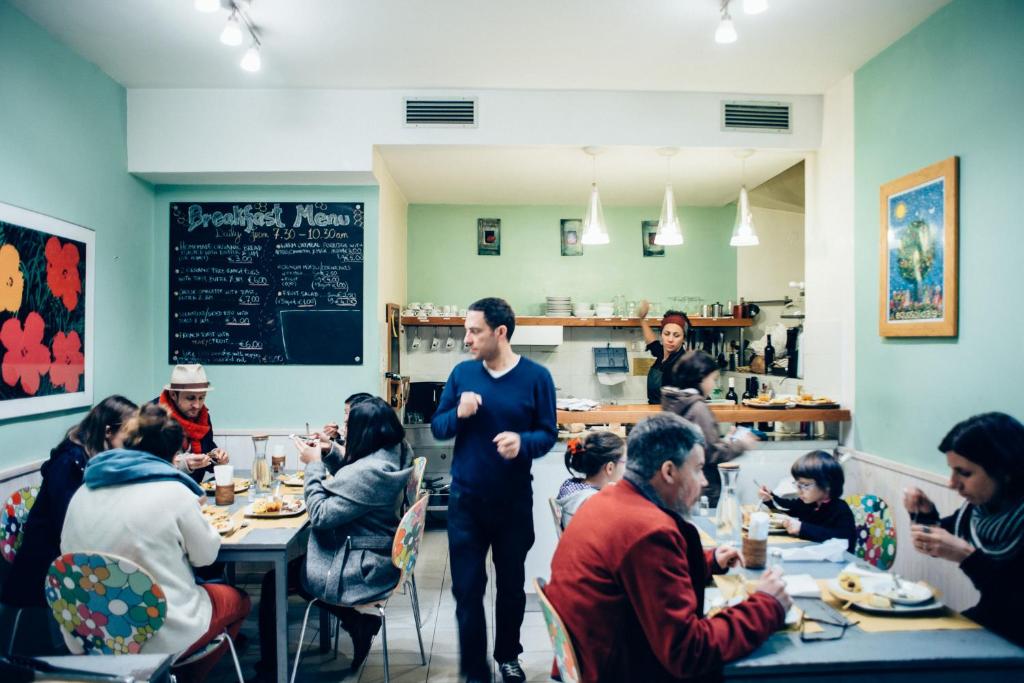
<point x="556" y="515"/>
<point x="404" y="551"/>
<point x="565" y="653"/>
<point x="876" y="530"/>
<point x="12" y="530"/>
<point x="112" y="606"/>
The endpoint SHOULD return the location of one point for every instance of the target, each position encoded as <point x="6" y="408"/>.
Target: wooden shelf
<point x="458" y="321"/>
<point x="631" y="414"/>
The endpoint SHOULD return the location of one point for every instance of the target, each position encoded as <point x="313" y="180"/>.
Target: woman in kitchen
<point x="666" y="348"/>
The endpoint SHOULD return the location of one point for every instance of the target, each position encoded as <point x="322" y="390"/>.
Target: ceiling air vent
<point x="458" y="112"/>
<point x="768" y="117"/>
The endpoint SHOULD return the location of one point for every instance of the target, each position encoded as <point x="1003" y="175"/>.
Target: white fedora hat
<point x="191" y="377"/>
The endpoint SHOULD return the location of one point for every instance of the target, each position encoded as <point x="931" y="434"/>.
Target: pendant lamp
<point x="743" y="232"/>
<point x="595" y="231"/>
<point x="669" y="232"/>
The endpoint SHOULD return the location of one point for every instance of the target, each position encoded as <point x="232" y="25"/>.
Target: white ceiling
<point x="626" y="176"/>
<point x="796" y="47"/>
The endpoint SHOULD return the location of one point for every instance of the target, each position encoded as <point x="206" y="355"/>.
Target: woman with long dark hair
<point x="985" y="537"/>
<point x="354" y="516"/>
<point x="102" y="429"/>
<point x="600" y="458"/>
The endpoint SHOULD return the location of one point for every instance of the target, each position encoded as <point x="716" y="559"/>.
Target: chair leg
<point x="302" y="635"/>
<point x="14" y="631"/>
<point x="234" y="656"/>
<point x="415" y="598"/>
<point x="384" y="642"/>
<point x="337" y="635"/>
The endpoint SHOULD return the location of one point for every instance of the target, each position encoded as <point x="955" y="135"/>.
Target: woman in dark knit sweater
<point x="819" y="513"/>
<point x="985" y="537"/>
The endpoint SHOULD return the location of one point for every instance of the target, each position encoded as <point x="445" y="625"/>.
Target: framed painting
<point x="572" y="230"/>
<point x="918" y="253"/>
<point x="648" y="230"/>
<point x="46" y="313"/>
<point x="488" y="236"/>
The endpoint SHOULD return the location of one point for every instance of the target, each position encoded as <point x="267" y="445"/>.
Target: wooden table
<point x="631" y="414"/>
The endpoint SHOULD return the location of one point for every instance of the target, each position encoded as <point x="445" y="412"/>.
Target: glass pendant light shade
<point x="594" y="229"/>
<point x="743" y="232"/>
<point x="726" y="31"/>
<point x="251" y="60"/>
<point x="207" y="5"/>
<point x="669" y="232"/>
<point x="754" y="6"/>
<point x="232" y="33"/>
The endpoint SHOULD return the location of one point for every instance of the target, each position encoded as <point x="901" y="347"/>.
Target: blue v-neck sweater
<point x="521" y="401"/>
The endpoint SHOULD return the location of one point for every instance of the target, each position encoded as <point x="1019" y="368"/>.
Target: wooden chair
<point x="111" y="606"/>
<point x="876" y="530"/>
<point x="415" y="484"/>
<point x="12" y="531"/>
<point x="556" y="515"/>
<point x="565" y="653"/>
<point x="404" y="552"/>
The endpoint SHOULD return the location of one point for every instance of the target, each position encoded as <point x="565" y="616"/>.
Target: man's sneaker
<point x="511" y="672"/>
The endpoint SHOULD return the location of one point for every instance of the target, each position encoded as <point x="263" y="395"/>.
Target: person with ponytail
<point x="985" y="537"/>
<point x="137" y="505"/>
<point x="601" y="460"/>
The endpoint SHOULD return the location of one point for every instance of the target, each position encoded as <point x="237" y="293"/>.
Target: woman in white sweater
<point x="135" y="504"/>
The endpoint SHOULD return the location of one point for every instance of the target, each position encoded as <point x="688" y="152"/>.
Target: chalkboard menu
<point x="266" y="283"/>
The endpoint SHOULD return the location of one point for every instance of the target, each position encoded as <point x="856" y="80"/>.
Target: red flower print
<point x="62" y="272"/>
<point x="68" y="361"/>
<point x="26" y="358"/>
<point x="92" y="622"/>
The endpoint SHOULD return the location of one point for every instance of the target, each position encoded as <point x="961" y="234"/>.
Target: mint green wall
<point x="444" y="267"/>
<point x="953" y="86"/>
<point x="282" y="396"/>
<point x="63" y="153"/>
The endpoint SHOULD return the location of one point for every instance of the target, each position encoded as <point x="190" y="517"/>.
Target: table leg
<point x="281" y="617"/>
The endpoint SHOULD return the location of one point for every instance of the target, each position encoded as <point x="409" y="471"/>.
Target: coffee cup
<point x="754" y="553"/>
<point x="435" y="344"/>
<point x="223" y="475"/>
<point x="450" y="344"/>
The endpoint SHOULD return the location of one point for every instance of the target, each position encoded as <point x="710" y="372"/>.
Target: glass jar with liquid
<point x="727" y="518"/>
<point x="260" y="464"/>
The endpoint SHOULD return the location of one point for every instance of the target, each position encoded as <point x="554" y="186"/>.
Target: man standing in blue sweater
<point x="500" y="407"/>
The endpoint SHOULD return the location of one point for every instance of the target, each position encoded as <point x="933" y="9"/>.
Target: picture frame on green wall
<point x="571" y="231"/>
<point x="648" y="230"/>
<point x="918" y="248"/>
<point x="488" y="236"/>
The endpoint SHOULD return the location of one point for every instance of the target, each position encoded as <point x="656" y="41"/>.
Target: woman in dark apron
<point x="666" y="348"/>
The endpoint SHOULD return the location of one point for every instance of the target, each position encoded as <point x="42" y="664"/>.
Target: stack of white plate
<point x="559" y="306"/>
<point x="605" y="310"/>
<point x="582" y="310"/>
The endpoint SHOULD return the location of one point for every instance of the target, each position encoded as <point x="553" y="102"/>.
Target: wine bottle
<point x="731" y="394"/>
<point x="769" y="356"/>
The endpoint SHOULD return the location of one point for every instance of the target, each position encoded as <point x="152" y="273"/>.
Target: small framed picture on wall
<point x="488" y="236"/>
<point x="572" y="230"/>
<point x="648" y="229"/>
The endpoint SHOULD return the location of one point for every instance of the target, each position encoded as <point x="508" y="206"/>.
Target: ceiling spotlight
<point x="754" y="6"/>
<point x="207" y="5"/>
<point x="232" y="33"/>
<point x="726" y="31"/>
<point x="251" y="60"/>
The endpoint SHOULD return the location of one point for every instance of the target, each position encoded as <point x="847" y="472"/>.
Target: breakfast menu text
<point x="266" y="283"/>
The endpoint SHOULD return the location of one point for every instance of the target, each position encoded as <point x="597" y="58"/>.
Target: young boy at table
<point x="819" y="512"/>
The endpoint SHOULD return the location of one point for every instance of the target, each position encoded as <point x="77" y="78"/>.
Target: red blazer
<point x="628" y="580"/>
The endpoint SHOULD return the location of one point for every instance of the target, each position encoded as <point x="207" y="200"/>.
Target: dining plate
<point x="772" y="530"/>
<point x="241" y="485"/>
<point x="928" y="607"/>
<point x="291" y="508"/>
<point x="766" y="406"/>
<point x="909" y="593"/>
<point x="297" y="479"/>
<point x="827" y="405"/>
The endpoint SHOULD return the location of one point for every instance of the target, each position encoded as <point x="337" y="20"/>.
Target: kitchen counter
<point x="631" y="414"/>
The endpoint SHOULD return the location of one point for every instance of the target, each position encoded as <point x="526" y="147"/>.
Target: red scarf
<point x="194" y="431"/>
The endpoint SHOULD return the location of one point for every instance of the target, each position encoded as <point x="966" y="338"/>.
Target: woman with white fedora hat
<point x="184" y="397"/>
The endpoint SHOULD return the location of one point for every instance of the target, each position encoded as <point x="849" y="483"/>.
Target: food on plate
<point x="849" y="582"/>
<point x="223" y="526"/>
<point x="240" y="485"/>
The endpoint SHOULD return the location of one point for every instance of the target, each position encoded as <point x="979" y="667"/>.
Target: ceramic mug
<point x="435" y="344"/>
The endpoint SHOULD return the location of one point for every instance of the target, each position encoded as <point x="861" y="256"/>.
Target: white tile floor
<point x="440" y="634"/>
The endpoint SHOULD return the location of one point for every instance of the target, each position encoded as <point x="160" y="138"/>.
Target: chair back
<point x="565" y="654"/>
<point x="415" y="483"/>
<point x="876" y="530"/>
<point x="406" y="545"/>
<point x="556" y="515"/>
<point x="13" y="518"/>
<point x="109" y="604"/>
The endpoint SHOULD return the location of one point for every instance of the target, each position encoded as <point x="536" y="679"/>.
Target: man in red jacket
<point x="628" y="575"/>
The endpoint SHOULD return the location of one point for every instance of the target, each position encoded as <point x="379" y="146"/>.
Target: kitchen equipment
<point x="422" y="402"/>
<point x="705" y="311"/>
<point x="716" y="309"/>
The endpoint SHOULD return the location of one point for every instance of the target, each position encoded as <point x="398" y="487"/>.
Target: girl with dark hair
<point x="985" y="537"/>
<point x="695" y="374"/>
<point x="666" y="348"/>
<point x="601" y="458"/>
<point x="137" y="505"/>
<point x="819" y="512"/>
<point x="102" y="428"/>
<point x="354" y="516"/>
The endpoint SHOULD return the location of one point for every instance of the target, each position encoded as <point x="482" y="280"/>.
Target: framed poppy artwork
<point x="918" y="249"/>
<point x="46" y="313"/>
<point x="488" y="236"/>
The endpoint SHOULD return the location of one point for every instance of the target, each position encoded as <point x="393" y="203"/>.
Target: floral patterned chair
<point x="109" y="605"/>
<point x="12" y="527"/>
<point x="415" y="483"/>
<point x="565" y="654"/>
<point x="404" y="552"/>
<point x="876" y="530"/>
